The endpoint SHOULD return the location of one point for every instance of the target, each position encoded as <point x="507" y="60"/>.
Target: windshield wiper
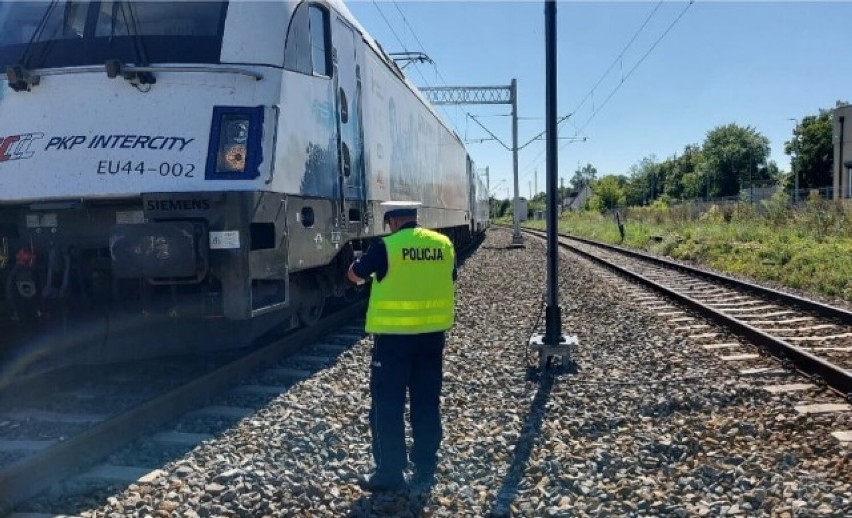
<point x="51" y="41"/>
<point x="113" y="66"/>
<point x="18" y="74"/>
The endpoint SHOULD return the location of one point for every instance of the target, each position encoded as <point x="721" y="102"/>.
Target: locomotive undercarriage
<point x="177" y="272"/>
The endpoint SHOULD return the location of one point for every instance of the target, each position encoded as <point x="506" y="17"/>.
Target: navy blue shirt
<point x="375" y="259"/>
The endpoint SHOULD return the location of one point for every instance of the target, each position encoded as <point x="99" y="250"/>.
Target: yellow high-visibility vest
<point x="417" y="295"/>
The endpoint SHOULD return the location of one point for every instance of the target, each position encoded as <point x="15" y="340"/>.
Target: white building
<point x="576" y="200"/>
<point x="843" y="152"/>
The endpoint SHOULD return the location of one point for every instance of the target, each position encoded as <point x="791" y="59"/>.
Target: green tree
<point x="608" y="194"/>
<point x="583" y="176"/>
<point x="662" y="174"/>
<point x="494" y="206"/>
<point x="502" y="208"/>
<point x="540" y="197"/>
<point x="637" y="191"/>
<point x="775" y="173"/>
<point x="684" y="174"/>
<point x="812" y="151"/>
<point x="620" y="179"/>
<point x="734" y="158"/>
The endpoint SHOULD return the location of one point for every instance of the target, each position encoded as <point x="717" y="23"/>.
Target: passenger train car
<point x="165" y="162"/>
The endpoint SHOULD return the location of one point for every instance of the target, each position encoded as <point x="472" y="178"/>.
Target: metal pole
<point x="517" y="240"/>
<point x="488" y="180"/>
<point x="793" y="162"/>
<point x="848" y="165"/>
<point x="796" y="185"/>
<point x="553" y="327"/>
<point x="552" y="344"/>
<point x="488" y="190"/>
<point x="796" y="171"/>
<point x="751" y="179"/>
<point x="652" y="188"/>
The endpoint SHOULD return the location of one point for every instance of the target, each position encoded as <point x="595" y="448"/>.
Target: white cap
<point x="398" y="209"/>
<point x="401" y="204"/>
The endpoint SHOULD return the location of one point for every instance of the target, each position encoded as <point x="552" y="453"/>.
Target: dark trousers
<point x="401" y="362"/>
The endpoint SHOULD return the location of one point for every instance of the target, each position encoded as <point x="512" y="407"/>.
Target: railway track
<point x="809" y="338"/>
<point x="59" y="437"/>
<point x="812" y="337"/>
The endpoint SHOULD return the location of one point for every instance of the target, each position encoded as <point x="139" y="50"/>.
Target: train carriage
<point x="170" y="161"/>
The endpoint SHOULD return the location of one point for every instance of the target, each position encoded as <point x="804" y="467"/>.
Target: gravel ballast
<point x="650" y="424"/>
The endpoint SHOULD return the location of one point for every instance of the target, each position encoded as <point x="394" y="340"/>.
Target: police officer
<point x="412" y="301"/>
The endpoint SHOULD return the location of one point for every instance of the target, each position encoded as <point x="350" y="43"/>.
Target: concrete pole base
<point x="565" y="350"/>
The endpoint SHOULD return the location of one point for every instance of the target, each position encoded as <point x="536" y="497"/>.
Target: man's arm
<point x="373" y="261"/>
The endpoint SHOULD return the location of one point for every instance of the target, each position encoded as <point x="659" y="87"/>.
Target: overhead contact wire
<point x="641" y="60"/>
<point x="591" y="92"/>
<point x="422" y="48"/>
<point x="626" y="76"/>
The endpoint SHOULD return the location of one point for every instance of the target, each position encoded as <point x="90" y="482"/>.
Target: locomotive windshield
<point x="39" y="34"/>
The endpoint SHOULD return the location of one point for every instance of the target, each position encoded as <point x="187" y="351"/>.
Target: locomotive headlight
<point x="235" y="158"/>
<point x="235" y="143"/>
<point x="238" y="131"/>
<point x="233" y="137"/>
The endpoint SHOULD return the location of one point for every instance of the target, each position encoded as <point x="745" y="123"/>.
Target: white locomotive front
<point x="182" y="160"/>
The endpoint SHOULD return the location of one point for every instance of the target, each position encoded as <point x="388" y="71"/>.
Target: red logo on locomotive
<point x="17" y="147"/>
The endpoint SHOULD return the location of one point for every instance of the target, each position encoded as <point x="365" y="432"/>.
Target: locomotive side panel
<point x="481" y="209"/>
<point x="410" y="154"/>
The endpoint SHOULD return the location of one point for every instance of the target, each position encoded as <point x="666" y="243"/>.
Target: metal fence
<point x="756" y="196"/>
<point x="751" y="201"/>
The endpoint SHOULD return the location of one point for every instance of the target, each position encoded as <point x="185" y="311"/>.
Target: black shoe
<point x="423" y="478"/>
<point x="379" y="482"/>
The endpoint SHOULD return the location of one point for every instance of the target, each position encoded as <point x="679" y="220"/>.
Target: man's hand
<point x="353" y="277"/>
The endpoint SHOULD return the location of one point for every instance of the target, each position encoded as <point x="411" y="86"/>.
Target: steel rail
<point x="818" y="307"/>
<point x="36" y="473"/>
<point x="818" y="369"/>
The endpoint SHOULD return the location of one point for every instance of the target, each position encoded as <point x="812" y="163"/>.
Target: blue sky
<point x="752" y="63"/>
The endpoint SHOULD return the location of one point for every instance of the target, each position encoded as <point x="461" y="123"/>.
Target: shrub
<point x="776" y="210"/>
<point x="712" y="215"/>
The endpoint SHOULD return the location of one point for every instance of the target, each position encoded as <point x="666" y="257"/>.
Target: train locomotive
<point x="204" y="171"/>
